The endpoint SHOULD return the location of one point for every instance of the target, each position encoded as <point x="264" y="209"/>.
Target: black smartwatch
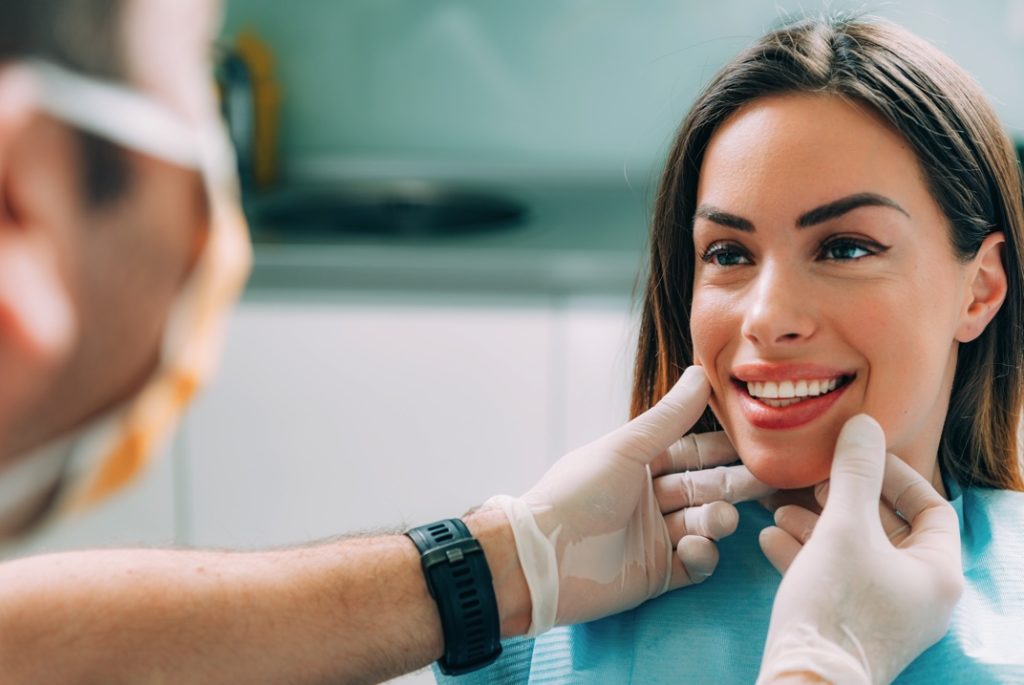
<point x="459" y="580"/>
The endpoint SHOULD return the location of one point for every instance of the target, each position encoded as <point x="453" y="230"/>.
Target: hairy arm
<point x="351" y="611"/>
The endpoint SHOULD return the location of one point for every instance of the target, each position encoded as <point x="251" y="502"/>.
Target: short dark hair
<point x="84" y="36"/>
<point x="972" y="172"/>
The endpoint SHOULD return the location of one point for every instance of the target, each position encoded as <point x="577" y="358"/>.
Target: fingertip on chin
<point x="862" y="430"/>
<point x="779" y="515"/>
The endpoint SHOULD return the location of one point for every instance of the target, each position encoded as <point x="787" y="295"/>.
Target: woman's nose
<point x="780" y="309"/>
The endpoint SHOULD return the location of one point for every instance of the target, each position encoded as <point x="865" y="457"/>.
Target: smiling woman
<point x="854" y="206"/>
<point x="838" y="231"/>
<point x="826" y="270"/>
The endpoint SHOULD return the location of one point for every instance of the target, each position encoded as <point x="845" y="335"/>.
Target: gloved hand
<point x="591" y="536"/>
<point x="864" y="594"/>
<point x="694" y="485"/>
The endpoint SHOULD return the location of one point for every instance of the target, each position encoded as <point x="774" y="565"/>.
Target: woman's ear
<point x="986" y="288"/>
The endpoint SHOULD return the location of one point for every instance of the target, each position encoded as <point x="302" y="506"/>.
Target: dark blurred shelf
<point x="557" y="237"/>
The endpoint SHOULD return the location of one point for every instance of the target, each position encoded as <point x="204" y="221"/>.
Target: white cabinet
<point x="360" y="413"/>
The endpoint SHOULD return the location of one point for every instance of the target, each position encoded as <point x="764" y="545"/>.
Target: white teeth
<point x="785" y="393"/>
<point x="781" y="403"/>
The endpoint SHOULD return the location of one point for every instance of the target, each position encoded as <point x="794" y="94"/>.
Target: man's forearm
<point x="351" y="611"/>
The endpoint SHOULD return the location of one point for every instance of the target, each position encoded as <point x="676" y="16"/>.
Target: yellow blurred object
<point x="266" y="93"/>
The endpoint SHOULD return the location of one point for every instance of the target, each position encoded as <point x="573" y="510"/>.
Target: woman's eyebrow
<point x="712" y="213"/>
<point x="818" y="215"/>
<point x="846" y="204"/>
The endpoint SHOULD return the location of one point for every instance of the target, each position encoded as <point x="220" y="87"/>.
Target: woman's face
<point x="825" y="285"/>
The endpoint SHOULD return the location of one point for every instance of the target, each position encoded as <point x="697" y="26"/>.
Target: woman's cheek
<point x="712" y="330"/>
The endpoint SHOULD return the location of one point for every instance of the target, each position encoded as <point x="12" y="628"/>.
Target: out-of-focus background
<point x="449" y="201"/>
<point x="568" y="87"/>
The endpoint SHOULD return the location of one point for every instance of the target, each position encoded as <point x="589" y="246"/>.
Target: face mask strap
<point x="115" y="113"/>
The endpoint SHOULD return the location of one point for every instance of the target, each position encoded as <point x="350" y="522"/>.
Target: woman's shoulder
<point x="990" y="500"/>
<point x="992" y="525"/>
<point x="982" y="644"/>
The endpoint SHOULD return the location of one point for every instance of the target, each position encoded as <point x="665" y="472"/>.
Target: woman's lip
<point x="761" y="415"/>
<point x="763" y="371"/>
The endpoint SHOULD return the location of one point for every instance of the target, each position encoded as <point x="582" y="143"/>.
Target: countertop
<point x="576" y="237"/>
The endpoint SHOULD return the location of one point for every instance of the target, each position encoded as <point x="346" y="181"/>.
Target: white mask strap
<point x="116" y="113"/>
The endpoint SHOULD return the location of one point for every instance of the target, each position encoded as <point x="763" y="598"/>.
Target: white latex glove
<point x="865" y="594"/>
<point x="591" y="537"/>
<point x="695" y="485"/>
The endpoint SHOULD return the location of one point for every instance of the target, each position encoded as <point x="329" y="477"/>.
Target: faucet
<point x="238" y="106"/>
<point x="251" y="102"/>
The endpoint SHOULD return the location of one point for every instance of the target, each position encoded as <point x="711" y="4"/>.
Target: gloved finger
<point x="855" y="485"/>
<point x="650" y="434"/>
<point x="906" y="490"/>
<point x="729" y="483"/>
<point x="779" y="547"/>
<point x="714" y="520"/>
<point x="821" y="493"/>
<point x="895" y="526"/>
<point x="695" y="451"/>
<point x="796" y="521"/>
<point x="802" y="497"/>
<point x="933" y="522"/>
<point x="694" y="561"/>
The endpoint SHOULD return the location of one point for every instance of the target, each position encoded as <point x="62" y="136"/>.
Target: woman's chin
<point x="786" y="471"/>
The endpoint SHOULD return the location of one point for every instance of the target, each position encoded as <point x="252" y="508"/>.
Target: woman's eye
<point x="846" y="250"/>
<point x="725" y="255"/>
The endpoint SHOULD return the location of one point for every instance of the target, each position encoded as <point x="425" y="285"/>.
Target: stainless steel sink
<point x="387" y="209"/>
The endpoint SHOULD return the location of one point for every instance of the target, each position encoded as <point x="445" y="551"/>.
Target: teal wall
<point x="567" y="86"/>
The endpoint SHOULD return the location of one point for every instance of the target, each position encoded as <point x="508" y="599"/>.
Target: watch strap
<point x="459" y="580"/>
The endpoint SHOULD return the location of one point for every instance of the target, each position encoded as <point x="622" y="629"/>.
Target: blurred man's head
<point x="95" y="239"/>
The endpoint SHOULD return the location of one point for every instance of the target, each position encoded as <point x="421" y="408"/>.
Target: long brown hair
<point x="972" y="172"/>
